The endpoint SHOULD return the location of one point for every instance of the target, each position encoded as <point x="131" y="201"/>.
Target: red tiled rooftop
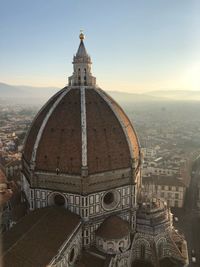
<point x="60" y="146"/>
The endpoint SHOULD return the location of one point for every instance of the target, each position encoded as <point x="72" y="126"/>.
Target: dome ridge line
<point x="39" y="112"/>
<point x="128" y="124"/>
<point x="83" y="127"/>
<point x="124" y="127"/>
<point x="41" y="130"/>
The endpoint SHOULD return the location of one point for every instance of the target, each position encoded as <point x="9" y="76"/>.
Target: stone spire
<point x="82" y="67"/>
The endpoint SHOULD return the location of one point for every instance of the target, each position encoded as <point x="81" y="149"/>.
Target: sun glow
<point x="191" y="77"/>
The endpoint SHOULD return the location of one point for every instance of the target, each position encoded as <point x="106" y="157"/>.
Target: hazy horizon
<point x="106" y="89"/>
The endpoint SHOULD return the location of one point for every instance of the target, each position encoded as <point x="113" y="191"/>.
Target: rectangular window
<point x="82" y="212"/>
<point x="123" y="191"/>
<point x="77" y="200"/>
<point x="176" y="195"/>
<point x="43" y="195"/>
<point x="97" y="198"/>
<point x="77" y="210"/>
<point x="97" y="208"/>
<point x="71" y="208"/>
<point x="86" y="212"/>
<point x="38" y="194"/>
<point x="38" y="204"/>
<point x="91" y="210"/>
<point x="91" y="199"/>
<point x="134" y="190"/>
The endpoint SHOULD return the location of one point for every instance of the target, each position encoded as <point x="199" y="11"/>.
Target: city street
<point x="189" y="219"/>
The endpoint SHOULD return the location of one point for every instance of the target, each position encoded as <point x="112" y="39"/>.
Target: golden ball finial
<point x="81" y="36"/>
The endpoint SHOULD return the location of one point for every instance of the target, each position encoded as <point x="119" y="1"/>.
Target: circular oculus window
<point x="110" y="200"/>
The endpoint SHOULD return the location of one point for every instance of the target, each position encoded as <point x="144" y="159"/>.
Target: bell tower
<point x="82" y="75"/>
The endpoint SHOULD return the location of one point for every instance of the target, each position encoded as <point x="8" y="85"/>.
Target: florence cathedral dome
<point x="82" y="131"/>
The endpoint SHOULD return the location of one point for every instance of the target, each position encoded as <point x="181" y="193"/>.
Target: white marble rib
<point x="83" y="127"/>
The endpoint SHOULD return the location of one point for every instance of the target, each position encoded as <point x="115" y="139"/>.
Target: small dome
<point x="113" y="228"/>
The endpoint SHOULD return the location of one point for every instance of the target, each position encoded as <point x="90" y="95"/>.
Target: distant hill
<point x="185" y="95"/>
<point x="29" y="94"/>
<point x="38" y="95"/>
<point x="7" y="90"/>
<point x="133" y="97"/>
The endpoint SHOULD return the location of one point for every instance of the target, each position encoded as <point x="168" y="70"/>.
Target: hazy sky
<point x="135" y="45"/>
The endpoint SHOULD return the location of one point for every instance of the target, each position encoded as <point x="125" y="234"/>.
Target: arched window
<point x="121" y="246"/>
<point x="160" y="250"/>
<point x="85" y="79"/>
<point x="100" y="243"/>
<point x="59" y="200"/>
<point x="110" y="247"/>
<point x="142" y="251"/>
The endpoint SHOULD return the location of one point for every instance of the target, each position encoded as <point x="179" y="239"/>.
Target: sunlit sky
<point x="136" y="45"/>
